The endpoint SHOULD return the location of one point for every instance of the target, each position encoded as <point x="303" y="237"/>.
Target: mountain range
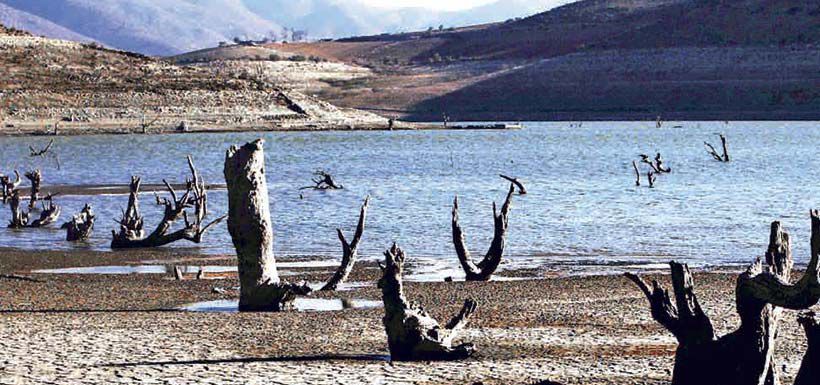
<point x="160" y="27"/>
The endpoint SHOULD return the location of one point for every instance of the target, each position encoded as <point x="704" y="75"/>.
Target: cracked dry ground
<point x="75" y="329"/>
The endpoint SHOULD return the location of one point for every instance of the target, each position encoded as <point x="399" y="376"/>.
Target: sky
<point x="443" y="5"/>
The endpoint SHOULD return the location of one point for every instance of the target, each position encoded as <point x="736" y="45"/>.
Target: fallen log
<point x="349" y="251"/>
<point x="745" y="356"/>
<point x="483" y="270"/>
<point x="412" y="334"/>
<point x="195" y="196"/>
<point x="251" y="230"/>
<point x="323" y="181"/>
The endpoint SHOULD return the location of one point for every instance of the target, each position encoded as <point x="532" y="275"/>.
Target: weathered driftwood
<point x="8" y="186"/>
<point x="809" y="373"/>
<point x="650" y="176"/>
<point x="36" y="178"/>
<point x="656" y="164"/>
<point x="19" y="218"/>
<point x="40" y="152"/>
<point x="637" y="173"/>
<point x="712" y="151"/>
<point x="251" y="230"/>
<point x="483" y="270"/>
<point x="48" y="215"/>
<point x="80" y="226"/>
<point x="195" y="196"/>
<point x="521" y="189"/>
<point x="349" y="251"/>
<point x="323" y="181"/>
<point x="743" y="357"/>
<point x="412" y="335"/>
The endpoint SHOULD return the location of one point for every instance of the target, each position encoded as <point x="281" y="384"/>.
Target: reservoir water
<point x="582" y="214"/>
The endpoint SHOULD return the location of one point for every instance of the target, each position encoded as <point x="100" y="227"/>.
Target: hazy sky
<point x="435" y="4"/>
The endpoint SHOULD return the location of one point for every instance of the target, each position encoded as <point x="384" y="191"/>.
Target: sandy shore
<point x="72" y="329"/>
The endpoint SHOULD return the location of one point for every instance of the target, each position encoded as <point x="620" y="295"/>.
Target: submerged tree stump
<point x="20" y="219"/>
<point x="81" y="225"/>
<point x="349" y="251"/>
<point x="36" y="178"/>
<point x="743" y="357"/>
<point x="412" y="335"/>
<point x="8" y="186"/>
<point x="483" y="270"/>
<point x="712" y="151"/>
<point x="131" y="233"/>
<point x="251" y="230"/>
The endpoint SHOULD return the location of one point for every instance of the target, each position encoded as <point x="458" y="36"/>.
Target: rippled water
<point x="582" y="210"/>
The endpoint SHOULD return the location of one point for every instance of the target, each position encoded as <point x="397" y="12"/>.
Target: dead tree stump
<point x="19" y="218"/>
<point x="743" y="357"/>
<point x="195" y="196"/>
<point x="713" y="152"/>
<point x="412" y="335"/>
<point x="8" y="186"/>
<point x="48" y="215"/>
<point x="349" y="251"/>
<point x="251" y="230"/>
<point x="81" y="225"/>
<point x="483" y="270"/>
<point x="809" y="373"/>
<point x="35" y="177"/>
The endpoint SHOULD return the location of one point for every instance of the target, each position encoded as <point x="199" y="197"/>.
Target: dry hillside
<point x="53" y="83"/>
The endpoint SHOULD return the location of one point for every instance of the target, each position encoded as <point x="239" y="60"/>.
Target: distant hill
<point x="15" y="18"/>
<point x="155" y="27"/>
<point x="161" y="27"/>
<point x="597" y="59"/>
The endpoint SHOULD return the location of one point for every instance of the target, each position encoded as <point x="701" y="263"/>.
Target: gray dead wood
<point x="412" y="334"/>
<point x="36" y="178"/>
<point x="8" y="186"/>
<point x="713" y="152"/>
<point x="349" y="251"/>
<point x="483" y="270"/>
<point x="637" y="173"/>
<point x="521" y="189"/>
<point x="81" y="225"/>
<point x="48" y="214"/>
<point x="195" y="196"/>
<point x="251" y="230"/>
<point x="323" y="181"/>
<point x="743" y="357"/>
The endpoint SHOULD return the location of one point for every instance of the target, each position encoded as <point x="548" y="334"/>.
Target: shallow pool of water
<point x="300" y="304"/>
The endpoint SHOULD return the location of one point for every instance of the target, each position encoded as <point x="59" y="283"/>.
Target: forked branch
<point x="349" y="251"/>
<point x="483" y="270"/>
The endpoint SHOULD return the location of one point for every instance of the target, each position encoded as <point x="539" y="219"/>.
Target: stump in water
<point x="35" y="177"/>
<point x="324" y="181"/>
<point x="521" y="189"/>
<point x="412" y="335"/>
<point x="131" y="223"/>
<point x="81" y="225"/>
<point x="8" y="186"/>
<point x="483" y="270"/>
<point x="349" y="251"/>
<point x="637" y="174"/>
<point x="743" y="357"/>
<point x="712" y="151"/>
<point x="251" y="230"/>
<point x="48" y="215"/>
<point x="19" y="218"/>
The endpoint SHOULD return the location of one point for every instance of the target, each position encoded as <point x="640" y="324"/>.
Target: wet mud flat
<point x="128" y="328"/>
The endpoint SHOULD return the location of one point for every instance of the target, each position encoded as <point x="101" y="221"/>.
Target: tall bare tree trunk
<point x="251" y="230"/>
